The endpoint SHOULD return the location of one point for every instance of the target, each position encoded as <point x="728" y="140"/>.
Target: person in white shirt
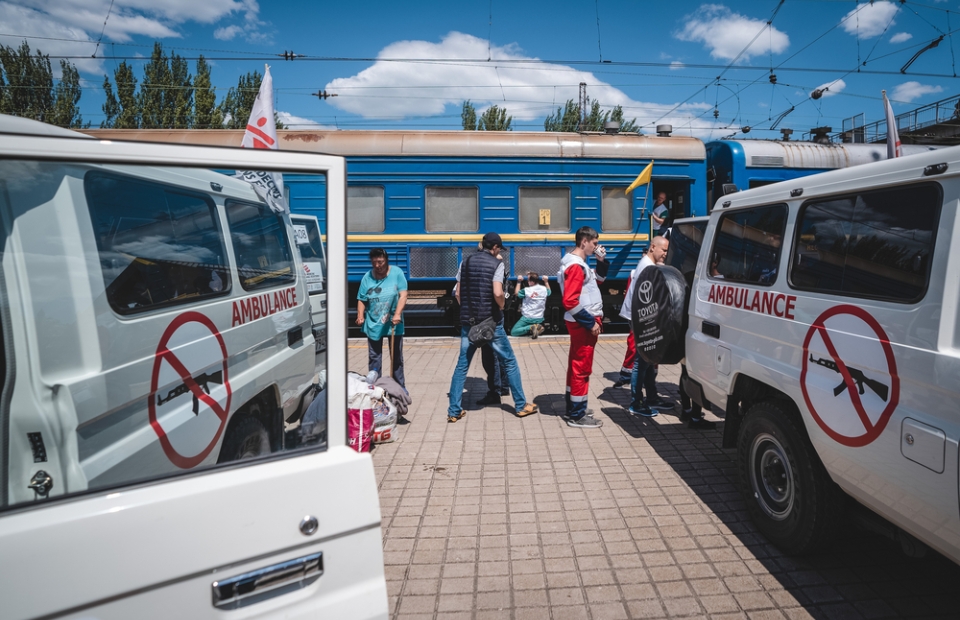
<point x="534" y="297"/>
<point x="660" y="214"/>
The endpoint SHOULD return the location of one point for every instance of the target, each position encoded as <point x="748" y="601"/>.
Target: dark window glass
<point x="747" y="245"/>
<point x="684" y="251"/>
<point x="364" y="208"/>
<point x="544" y="208"/>
<point x="872" y="244"/>
<point x="159" y="246"/>
<point x="260" y="243"/>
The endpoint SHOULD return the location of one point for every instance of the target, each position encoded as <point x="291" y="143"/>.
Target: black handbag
<point x="482" y="333"/>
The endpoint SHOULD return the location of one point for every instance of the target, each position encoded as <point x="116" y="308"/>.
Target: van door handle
<point x="268" y="582"/>
<point x="710" y="329"/>
<point x="295" y="336"/>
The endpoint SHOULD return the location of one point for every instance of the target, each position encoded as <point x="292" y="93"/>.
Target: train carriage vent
<point x="433" y="262"/>
<point x="768" y="161"/>
<point x="539" y="259"/>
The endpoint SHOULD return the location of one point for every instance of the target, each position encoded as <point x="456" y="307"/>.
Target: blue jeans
<point x="647" y="375"/>
<point x="503" y="350"/>
<point x="375" y="358"/>
<point x="496" y="375"/>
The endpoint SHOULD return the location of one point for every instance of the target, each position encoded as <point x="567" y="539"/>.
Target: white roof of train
<point x="775" y="154"/>
<point x="440" y="143"/>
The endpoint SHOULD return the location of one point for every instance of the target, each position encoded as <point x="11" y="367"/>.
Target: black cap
<point x="491" y="239"/>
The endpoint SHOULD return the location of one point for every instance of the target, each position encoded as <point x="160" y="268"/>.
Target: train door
<point x="678" y="198"/>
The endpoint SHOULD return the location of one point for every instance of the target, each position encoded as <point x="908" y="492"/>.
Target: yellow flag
<point x="642" y="179"/>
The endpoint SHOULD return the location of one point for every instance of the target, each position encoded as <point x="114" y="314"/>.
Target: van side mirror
<point x="730" y="188"/>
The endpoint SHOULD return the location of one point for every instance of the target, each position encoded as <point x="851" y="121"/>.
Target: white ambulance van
<point x="824" y="319"/>
<point x="157" y="355"/>
<point x="306" y="230"/>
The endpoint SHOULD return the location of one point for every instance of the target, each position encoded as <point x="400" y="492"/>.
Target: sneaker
<point x="527" y="410"/>
<point x="659" y="404"/>
<point x="534" y="331"/>
<point x="454" y="418"/>
<point x="586" y="421"/>
<point x="702" y="424"/>
<point x="621" y="382"/>
<point x="686" y="414"/>
<point x="492" y="398"/>
<point x="644" y="411"/>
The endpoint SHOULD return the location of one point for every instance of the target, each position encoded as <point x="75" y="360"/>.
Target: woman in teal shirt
<point x="380" y="302"/>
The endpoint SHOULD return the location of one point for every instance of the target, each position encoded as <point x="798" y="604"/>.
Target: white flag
<point x="262" y="134"/>
<point x="893" y="138"/>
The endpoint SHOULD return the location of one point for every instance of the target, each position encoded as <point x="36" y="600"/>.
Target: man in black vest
<point x="481" y="296"/>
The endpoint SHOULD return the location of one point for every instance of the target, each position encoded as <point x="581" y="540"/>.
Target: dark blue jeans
<point x="647" y="375"/>
<point x="375" y="357"/>
<point x="496" y="375"/>
<point x="504" y="352"/>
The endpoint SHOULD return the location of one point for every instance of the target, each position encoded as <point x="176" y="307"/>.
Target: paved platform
<point x="501" y="517"/>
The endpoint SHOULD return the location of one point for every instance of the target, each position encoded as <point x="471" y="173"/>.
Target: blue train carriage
<point x="427" y="197"/>
<point x="754" y="163"/>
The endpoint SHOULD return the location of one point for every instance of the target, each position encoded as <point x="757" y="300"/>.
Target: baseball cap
<point x="491" y="239"/>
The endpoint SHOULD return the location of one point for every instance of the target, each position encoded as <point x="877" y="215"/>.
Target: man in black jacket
<point x="481" y="296"/>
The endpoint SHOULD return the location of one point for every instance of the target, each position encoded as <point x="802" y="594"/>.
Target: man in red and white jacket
<point x="584" y="318"/>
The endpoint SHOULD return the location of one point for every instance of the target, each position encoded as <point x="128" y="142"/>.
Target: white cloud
<point x="83" y="20"/>
<point x="870" y="20"/>
<point x="725" y="33"/>
<point x="901" y="37"/>
<point x="298" y="122"/>
<point x="676" y="64"/>
<point x="227" y="33"/>
<point x="830" y="89"/>
<point x="911" y="91"/>
<point x="529" y="88"/>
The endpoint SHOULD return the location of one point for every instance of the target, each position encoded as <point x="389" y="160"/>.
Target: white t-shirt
<point x="534" y="301"/>
<point x="645" y="262"/>
<point x="662" y="212"/>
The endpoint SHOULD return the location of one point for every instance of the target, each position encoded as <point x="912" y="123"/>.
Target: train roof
<point x="440" y="143"/>
<point x="777" y="154"/>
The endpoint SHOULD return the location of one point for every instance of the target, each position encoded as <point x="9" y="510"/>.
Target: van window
<point x="159" y="246"/>
<point x="452" y="209"/>
<point x="875" y="244"/>
<point x="616" y="210"/>
<point x="544" y="208"/>
<point x="260" y="244"/>
<point x="747" y="245"/>
<point x="364" y="208"/>
<point x="684" y="250"/>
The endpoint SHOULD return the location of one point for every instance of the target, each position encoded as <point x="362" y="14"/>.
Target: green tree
<point x="595" y="118"/>
<point x="166" y="92"/>
<point x="495" y="119"/>
<point x="566" y="118"/>
<point x="625" y="126"/>
<point x="206" y="113"/>
<point x="27" y="87"/>
<point x="121" y="111"/>
<point x="468" y="116"/>
<point x="66" y="98"/>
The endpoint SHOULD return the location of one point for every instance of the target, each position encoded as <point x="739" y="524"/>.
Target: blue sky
<point x="411" y="64"/>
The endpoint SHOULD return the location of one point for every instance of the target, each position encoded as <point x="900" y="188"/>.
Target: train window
<point x="544" y="208"/>
<point x="876" y="244"/>
<point x="260" y="243"/>
<point x="747" y="245"/>
<point x="452" y="209"/>
<point x="167" y="251"/>
<point x="364" y="208"/>
<point x="617" y="210"/>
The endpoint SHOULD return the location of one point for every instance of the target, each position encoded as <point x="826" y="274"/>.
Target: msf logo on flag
<point x="262" y="134"/>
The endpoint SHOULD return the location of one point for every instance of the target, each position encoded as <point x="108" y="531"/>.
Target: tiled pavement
<point x="501" y="517"/>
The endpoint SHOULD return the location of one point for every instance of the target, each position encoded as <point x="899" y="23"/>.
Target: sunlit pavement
<point x="501" y="517"/>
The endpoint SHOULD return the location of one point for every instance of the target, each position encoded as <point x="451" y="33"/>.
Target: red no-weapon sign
<point x="190" y="412"/>
<point x="847" y="392"/>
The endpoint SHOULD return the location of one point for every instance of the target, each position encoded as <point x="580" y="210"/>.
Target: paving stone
<point x="498" y="518"/>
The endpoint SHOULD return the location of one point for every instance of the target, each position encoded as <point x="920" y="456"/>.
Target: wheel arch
<point x="264" y="407"/>
<point x="747" y="391"/>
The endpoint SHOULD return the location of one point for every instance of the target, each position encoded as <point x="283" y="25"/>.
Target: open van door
<point x="155" y="337"/>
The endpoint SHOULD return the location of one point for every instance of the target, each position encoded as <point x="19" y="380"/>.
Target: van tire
<point x="246" y="438"/>
<point x="788" y="493"/>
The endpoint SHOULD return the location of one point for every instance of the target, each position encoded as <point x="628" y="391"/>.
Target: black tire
<point x="788" y="493"/>
<point x="246" y="439"/>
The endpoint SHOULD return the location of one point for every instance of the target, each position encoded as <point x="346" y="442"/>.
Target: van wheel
<point x="788" y="492"/>
<point x="246" y="439"/>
